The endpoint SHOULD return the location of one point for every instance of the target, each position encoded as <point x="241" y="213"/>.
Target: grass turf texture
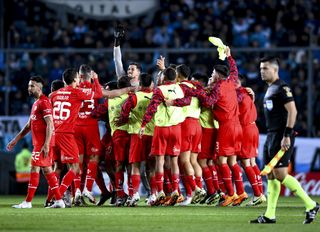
<point x="144" y="218"/>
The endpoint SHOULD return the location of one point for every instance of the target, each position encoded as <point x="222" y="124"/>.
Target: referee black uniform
<point x="277" y="95"/>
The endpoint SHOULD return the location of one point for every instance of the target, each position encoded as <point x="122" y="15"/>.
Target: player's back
<point x="85" y="113"/>
<point x="66" y="104"/>
<point x="226" y="109"/>
<point x="247" y="109"/>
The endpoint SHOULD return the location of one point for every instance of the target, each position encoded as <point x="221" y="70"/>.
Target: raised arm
<point x="118" y="62"/>
<point x="233" y="76"/>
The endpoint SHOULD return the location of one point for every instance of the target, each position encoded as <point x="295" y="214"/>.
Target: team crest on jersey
<point x="93" y="149"/>
<point x="269" y="104"/>
<point x="288" y="91"/>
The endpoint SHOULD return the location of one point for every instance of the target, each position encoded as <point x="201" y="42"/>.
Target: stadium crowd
<point x="173" y="25"/>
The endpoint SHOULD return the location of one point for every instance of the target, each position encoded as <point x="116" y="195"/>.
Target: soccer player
<point x="190" y="138"/>
<point x="134" y="69"/>
<point x="208" y="145"/>
<point x="249" y="145"/>
<point x="41" y="125"/>
<point x="66" y="105"/>
<point x="88" y="143"/>
<point x="280" y="113"/>
<point x="132" y="112"/>
<point x="120" y="139"/>
<point x="167" y="133"/>
<point x="58" y="166"/>
<point x="223" y="100"/>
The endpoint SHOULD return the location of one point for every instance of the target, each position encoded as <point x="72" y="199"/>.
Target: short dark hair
<point x="124" y="81"/>
<point x="222" y="69"/>
<point x="37" y="79"/>
<point x="69" y="75"/>
<point x="183" y="70"/>
<point x="56" y="84"/>
<point x="137" y="65"/>
<point x="170" y="74"/>
<point x="270" y="59"/>
<point x="145" y="79"/>
<point x="85" y="70"/>
<point x="200" y="77"/>
<point x="174" y="66"/>
<point x="112" y="85"/>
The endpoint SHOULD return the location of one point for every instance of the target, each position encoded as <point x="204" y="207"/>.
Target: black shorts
<point x="273" y="145"/>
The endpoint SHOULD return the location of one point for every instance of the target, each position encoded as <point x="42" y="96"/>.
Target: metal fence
<point x="293" y="58"/>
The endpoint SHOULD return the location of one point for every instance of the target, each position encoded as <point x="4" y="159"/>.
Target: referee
<point x="280" y="113"/>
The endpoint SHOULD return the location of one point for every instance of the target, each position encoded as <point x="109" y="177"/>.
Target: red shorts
<point x="88" y="139"/>
<point x="166" y="140"/>
<point x="229" y="139"/>
<point x="107" y="147"/>
<point x="208" y="143"/>
<point x="38" y="158"/>
<point x="67" y="148"/>
<point x="250" y="142"/>
<point x="191" y="134"/>
<point x="139" y="148"/>
<point x="121" y="145"/>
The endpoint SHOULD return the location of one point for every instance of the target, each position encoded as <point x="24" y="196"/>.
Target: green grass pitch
<point x="290" y="215"/>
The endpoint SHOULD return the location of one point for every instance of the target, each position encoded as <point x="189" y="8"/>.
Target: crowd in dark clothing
<point x="174" y="24"/>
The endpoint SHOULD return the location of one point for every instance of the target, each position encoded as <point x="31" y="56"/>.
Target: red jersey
<point x="85" y="116"/>
<point x="66" y="104"/>
<point x="41" y="108"/>
<point x="247" y="108"/>
<point x="223" y="97"/>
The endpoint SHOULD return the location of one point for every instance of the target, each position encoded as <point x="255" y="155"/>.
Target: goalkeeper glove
<point x="119" y="34"/>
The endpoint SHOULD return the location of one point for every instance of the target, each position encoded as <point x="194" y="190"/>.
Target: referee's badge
<point x="269" y="104"/>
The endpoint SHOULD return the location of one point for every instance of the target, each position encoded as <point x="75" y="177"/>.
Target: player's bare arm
<point x="118" y="92"/>
<point x="161" y="63"/>
<point x="292" y="115"/>
<point x="25" y="130"/>
<point x="49" y="130"/>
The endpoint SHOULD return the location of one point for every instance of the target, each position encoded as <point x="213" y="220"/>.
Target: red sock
<point x="135" y="179"/>
<point x="66" y="181"/>
<point x="258" y="177"/>
<point x="77" y="181"/>
<point x="253" y="181"/>
<point x="175" y="182"/>
<point x="186" y="185"/>
<point x="119" y="184"/>
<point x="167" y="181"/>
<point x="226" y="176"/>
<point x="50" y="192"/>
<point x="159" y="181"/>
<point x="215" y="178"/>
<point x="100" y="182"/>
<point x="129" y="183"/>
<point x="198" y="181"/>
<point x="191" y="182"/>
<point x="91" y="174"/>
<point x="53" y="184"/>
<point x="237" y="177"/>
<point x="207" y="176"/>
<point x="33" y="185"/>
<point x="220" y="179"/>
<point x="153" y="185"/>
<point x="83" y="176"/>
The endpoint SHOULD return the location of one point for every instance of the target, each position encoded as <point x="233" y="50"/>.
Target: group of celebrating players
<point x="189" y="127"/>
